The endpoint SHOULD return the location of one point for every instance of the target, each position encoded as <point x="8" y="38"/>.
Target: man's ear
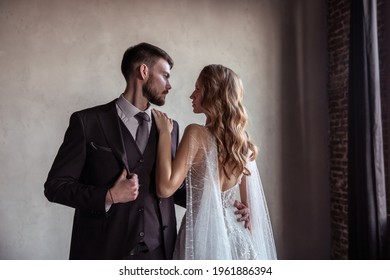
<point x="143" y="71"/>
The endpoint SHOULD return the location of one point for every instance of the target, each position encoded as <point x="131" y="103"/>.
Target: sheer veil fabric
<point x="209" y="230"/>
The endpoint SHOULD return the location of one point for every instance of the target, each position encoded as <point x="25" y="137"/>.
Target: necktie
<point x="142" y="131"/>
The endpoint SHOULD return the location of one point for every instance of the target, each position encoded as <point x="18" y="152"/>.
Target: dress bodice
<point x="229" y="196"/>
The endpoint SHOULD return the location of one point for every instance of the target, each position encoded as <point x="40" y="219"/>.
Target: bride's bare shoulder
<point x="195" y="131"/>
<point x="195" y="128"/>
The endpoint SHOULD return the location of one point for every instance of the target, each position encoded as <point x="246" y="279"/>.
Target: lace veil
<point x="206" y="236"/>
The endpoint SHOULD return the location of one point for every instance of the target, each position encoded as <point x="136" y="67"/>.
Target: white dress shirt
<point x="127" y="111"/>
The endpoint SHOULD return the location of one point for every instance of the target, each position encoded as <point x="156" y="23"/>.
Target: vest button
<point x="141" y="233"/>
<point x="165" y="227"/>
<point x="140" y="209"/>
<point x="141" y="160"/>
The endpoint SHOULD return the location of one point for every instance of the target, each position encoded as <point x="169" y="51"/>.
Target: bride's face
<point x="197" y="97"/>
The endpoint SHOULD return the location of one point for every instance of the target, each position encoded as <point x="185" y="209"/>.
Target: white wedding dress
<point x="209" y="229"/>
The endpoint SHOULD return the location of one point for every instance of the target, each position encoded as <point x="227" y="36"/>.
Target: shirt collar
<point x="129" y="109"/>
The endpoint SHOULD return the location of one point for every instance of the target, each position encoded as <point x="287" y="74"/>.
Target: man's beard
<point x="152" y="94"/>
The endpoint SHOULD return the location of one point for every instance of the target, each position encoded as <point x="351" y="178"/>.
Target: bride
<point x="217" y="162"/>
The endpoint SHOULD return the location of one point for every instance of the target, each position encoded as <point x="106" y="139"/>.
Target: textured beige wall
<point x="57" y="57"/>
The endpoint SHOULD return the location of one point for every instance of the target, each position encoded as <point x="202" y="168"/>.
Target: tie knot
<point x="142" y="116"/>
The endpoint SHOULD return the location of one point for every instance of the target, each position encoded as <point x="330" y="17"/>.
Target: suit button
<point x="159" y="200"/>
<point x="141" y="160"/>
<point x="165" y="227"/>
<point x="141" y="234"/>
<point x="140" y="209"/>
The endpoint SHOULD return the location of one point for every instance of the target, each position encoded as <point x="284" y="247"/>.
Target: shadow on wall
<point x="305" y="191"/>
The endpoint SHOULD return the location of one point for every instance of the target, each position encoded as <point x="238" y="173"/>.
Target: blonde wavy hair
<point x="227" y="118"/>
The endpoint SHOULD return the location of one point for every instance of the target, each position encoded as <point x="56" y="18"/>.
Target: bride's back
<point x="207" y="154"/>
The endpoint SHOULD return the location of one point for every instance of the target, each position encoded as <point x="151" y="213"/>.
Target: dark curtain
<point x="366" y="172"/>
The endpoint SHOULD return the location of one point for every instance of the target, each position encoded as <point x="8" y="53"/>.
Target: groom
<point x="105" y="168"/>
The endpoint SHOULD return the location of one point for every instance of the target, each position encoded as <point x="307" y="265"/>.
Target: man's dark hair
<point x="142" y="53"/>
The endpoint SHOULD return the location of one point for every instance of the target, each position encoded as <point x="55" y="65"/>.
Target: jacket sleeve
<point x="180" y="195"/>
<point x="62" y="184"/>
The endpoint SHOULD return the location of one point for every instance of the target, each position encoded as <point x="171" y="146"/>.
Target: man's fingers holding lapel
<point x="123" y="174"/>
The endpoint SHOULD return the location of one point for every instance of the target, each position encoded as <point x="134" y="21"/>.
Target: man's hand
<point x="124" y="190"/>
<point x="243" y="210"/>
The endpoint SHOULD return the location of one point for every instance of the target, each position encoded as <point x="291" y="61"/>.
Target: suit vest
<point x="147" y="220"/>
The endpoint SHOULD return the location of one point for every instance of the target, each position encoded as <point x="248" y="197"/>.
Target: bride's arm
<point x="170" y="174"/>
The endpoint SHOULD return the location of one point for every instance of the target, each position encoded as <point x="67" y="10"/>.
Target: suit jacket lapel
<point x="111" y="128"/>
